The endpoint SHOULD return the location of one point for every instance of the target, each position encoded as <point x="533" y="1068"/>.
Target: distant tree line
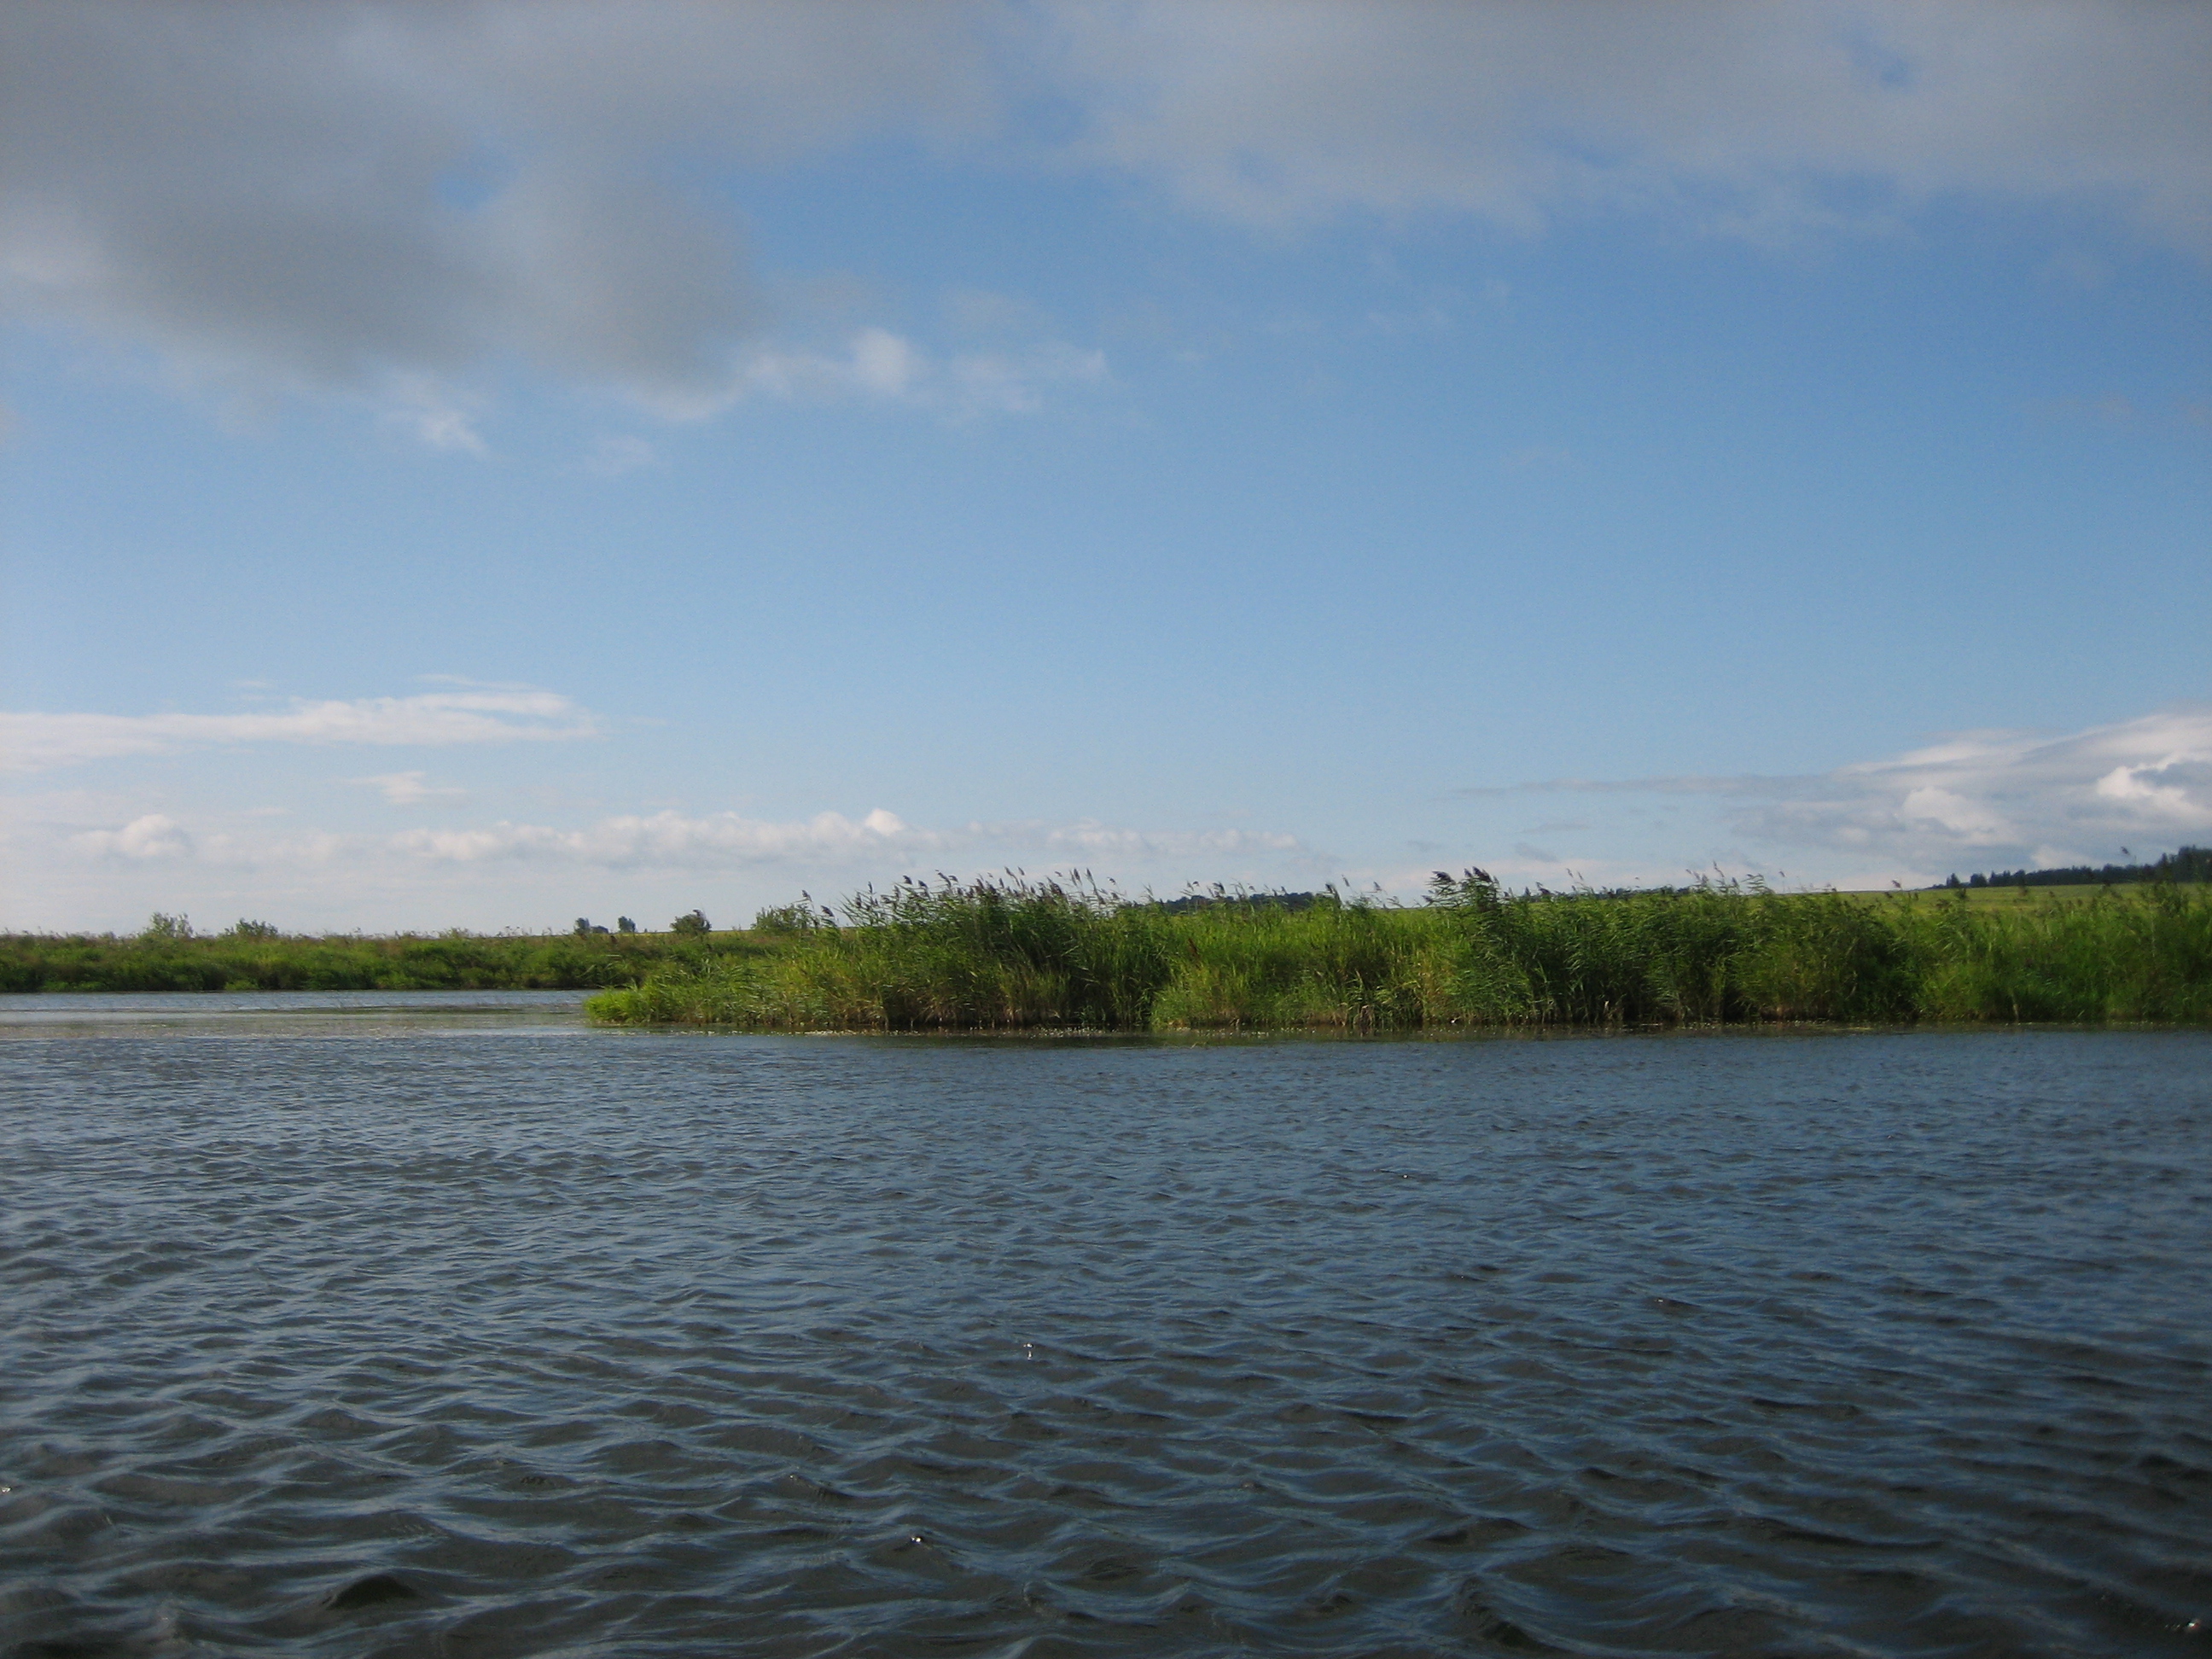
<point x="691" y="922"/>
<point x="2188" y="863"/>
<point x="1234" y="898"/>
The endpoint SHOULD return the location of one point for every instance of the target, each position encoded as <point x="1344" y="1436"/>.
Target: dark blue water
<point x="450" y="1334"/>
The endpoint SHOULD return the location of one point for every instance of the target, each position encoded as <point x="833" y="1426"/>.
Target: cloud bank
<point x="59" y="870"/>
<point x="1977" y="799"/>
<point x="70" y="862"/>
<point x="392" y="200"/>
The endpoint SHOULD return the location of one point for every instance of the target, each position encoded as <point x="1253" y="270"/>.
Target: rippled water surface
<point x="345" y="1327"/>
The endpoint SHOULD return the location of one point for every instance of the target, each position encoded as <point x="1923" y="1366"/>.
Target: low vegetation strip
<point x="1009" y="955"/>
<point x="265" y="960"/>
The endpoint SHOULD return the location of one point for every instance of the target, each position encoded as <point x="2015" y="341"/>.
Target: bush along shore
<point x="254" y="957"/>
<point x="1014" y="954"/>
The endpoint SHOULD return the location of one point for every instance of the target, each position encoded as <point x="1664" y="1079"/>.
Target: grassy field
<point x="990" y="956"/>
<point x="2003" y="897"/>
<point x="264" y="960"/>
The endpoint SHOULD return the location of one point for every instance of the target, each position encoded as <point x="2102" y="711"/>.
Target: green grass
<point x="1013" y="955"/>
<point x="261" y="960"/>
<point x="2001" y="897"/>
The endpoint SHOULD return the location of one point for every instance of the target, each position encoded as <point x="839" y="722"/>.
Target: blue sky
<point x="483" y="464"/>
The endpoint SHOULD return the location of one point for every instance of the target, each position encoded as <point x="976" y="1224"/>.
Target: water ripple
<point x="546" y="1342"/>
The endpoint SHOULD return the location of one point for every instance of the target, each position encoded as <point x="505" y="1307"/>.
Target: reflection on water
<point x="462" y="1340"/>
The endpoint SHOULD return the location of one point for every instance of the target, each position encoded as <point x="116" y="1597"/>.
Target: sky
<point x="480" y="464"/>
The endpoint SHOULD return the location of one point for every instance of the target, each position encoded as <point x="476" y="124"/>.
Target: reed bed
<point x="1014" y="954"/>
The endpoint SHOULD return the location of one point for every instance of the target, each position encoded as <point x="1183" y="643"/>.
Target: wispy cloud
<point x="612" y="456"/>
<point x="730" y="839"/>
<point x="1537" y="458"/>
<point x="410" y="788"/>
<point x="39" y="742"/>
<point x="1089" y="839"/>
<point x="876" y="365"/>
<point x="1997" y="798"/>
<point x="672" y="840"/>
<point x="661" y="842"/>
<point x="2116" y="412"/>
<point x="435" y="413"/>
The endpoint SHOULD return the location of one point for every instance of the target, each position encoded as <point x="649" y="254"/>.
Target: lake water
<point x="444" y="1326"/>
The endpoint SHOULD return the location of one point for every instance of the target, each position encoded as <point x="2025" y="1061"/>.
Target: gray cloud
<point x="1755" y="119"/>
<point x="388" y="199"/>
<point x="383" y="198"/>
<point x="224" y="182"/>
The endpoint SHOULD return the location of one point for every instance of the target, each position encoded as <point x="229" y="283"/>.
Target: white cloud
<point x="37" y="742"/>
<point x="155" y="835"/>
<point x="1987" y="799"/>
<point x="883" y="364"/>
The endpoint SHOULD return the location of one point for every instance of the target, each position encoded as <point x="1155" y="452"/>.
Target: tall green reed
<point x="1013" y="953"/>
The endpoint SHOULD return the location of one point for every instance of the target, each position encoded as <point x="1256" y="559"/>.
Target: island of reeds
<point x="1012" y="953"/>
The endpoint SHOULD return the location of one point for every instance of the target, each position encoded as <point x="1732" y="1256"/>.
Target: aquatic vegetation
<point x="1012" y="953"/>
